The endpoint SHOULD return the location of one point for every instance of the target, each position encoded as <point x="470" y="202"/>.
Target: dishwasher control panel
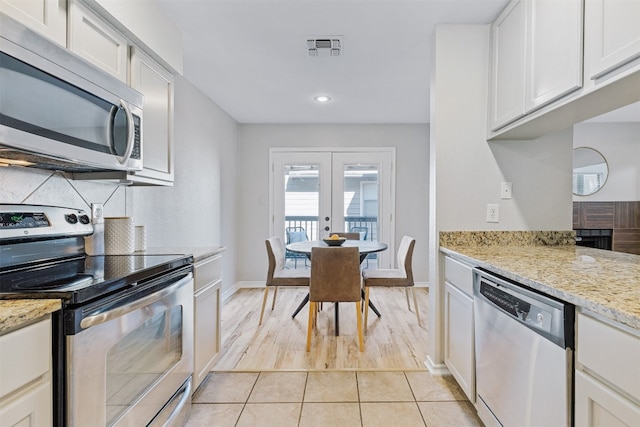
<point x="517" y="307"/>
<point x="539" y="312"/>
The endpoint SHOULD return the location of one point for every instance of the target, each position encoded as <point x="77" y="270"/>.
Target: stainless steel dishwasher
<point x="524" y="355"/>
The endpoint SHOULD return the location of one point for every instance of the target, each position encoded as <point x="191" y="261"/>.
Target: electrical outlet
<point x="493" y="212"/>
<point x="97" y="213"/>
<point x="505" y="190"/>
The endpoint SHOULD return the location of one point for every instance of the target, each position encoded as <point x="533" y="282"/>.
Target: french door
<point x="315" y="192"/>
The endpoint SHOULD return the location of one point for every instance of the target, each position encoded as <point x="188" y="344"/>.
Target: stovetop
<point x="80" y="279"/>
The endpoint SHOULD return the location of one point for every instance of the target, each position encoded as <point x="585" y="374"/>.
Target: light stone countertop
<point x="604" y="282"/>
<point x="199" y="253"/>
<point x="19" y="312"/>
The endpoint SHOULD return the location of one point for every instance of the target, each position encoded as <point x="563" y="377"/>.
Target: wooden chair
<point x="335" y="277"/>
<point x="399" y="277"/>
<point x="277" y="275"/>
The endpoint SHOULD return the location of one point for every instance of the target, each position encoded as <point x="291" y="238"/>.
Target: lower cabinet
<point x="25" y="376"/>
<point x="206" y="298"/>
<point x="607" y="376"/>
<point x="459" y="342"/>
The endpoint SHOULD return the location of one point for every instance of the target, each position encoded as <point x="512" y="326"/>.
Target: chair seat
<point x="385" y="277"/>
<point x="293" y="273"/>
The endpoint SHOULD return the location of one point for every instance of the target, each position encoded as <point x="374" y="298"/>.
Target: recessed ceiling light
<point x="322" y="98"/>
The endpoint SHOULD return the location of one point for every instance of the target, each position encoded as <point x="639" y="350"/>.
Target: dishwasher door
<point x="523" y="379"/>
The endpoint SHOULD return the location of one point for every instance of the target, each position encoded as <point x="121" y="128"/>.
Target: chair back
<point x="346" y="235"/>
<point x="405" y="256"/>
<point x="362" y="231"/>
<point x="275" y="253"/>
<point x="296" y="234"/>
<point x="335" y="274"/>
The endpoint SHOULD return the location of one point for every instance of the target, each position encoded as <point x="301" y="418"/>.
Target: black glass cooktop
<point x="81" y="279"/>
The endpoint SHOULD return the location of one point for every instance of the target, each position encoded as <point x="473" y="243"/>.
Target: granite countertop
<point x="19" y="312"/>
<point x="604" y="282"/>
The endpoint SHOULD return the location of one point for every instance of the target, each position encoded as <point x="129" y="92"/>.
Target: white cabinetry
<point x="25" y="376"/>
<point x="536" y="57"/>
<point x="156" y="84"/>
<point x="607" y="378"/>
<point x="612" y="32"/>
<point x="48" y="17"/>
<point x="208" y="283"/>
<point x="459" y="354"/>
<point x="508" y="40"/>
<point x="96" y="41"/>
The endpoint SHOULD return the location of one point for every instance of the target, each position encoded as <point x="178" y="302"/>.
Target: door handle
<point x="326" y="228"/>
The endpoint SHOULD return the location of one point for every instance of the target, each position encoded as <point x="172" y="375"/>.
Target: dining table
<point x="365" y="247"/>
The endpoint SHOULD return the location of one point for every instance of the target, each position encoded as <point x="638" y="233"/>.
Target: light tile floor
<point x="331" y="398"/>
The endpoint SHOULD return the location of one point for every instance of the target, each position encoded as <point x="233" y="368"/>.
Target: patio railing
<point x="311" y="225"/>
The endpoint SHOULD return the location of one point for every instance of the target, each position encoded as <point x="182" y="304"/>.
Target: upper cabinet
<point x="536" y="57"/>
<point x="613" y="39"/>
<point x="156" y="84"/>
<point x="96" y="41"/>
<point x="561" y="86"/>
<point x="508" y="40"/>
<point x="48" y="17"/>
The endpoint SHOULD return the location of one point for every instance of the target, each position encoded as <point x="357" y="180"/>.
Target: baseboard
<point x="439" y="369"/>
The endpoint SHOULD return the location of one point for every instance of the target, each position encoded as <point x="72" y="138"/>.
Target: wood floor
<point x="393" y="341"/>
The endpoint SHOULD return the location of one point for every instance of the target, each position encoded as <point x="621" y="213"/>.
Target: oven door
<point x="132" y="359"/>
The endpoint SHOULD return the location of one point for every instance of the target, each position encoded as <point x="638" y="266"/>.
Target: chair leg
<point x="359" y="318"/>
<point x="275" y="293"/>
<point x="415" y="305"/>
<point x="264" y="302"/>
<point x="366" y="307"/>
<point x="312" y="314"/>
<point x="406" y="294"/>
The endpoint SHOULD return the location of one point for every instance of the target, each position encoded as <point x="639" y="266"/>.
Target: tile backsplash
<point x="20" y="185"/>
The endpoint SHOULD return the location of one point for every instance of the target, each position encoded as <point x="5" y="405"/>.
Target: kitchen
<point x="538" y="170"/>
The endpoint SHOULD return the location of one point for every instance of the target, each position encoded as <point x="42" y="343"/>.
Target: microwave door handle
<point x="130" y="133"/>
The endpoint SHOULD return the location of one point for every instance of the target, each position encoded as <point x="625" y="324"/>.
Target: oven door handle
<point x="99" y="318"/>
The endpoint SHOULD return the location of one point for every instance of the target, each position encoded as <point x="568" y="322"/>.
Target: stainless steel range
<point x="123" y="341"/>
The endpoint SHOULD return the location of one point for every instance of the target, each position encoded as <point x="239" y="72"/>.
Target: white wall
<point x="619" y="143"/>
<point x="199" y="209"/>
<point x="412" y="158"/>
<point x="466" y="170"/>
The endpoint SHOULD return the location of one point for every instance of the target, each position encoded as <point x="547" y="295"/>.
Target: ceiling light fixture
<point x="322" y="98"/>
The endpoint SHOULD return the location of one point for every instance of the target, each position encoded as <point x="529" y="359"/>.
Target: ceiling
<point x="250" y="57"/>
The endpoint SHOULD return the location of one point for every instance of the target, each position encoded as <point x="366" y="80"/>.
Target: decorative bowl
<point x="335" y="242"/>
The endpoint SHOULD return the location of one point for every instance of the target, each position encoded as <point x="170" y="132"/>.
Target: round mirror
<point x="590" y="171"/>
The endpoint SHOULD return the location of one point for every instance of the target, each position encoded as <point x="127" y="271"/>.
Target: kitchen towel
<point x="119" y="236"/>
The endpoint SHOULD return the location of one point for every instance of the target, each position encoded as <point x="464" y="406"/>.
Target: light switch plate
<point x="97" y="213"/>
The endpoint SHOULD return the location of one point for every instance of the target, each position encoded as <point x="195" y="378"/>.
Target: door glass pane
<point x="361" y="202"/>
<point x="301" y="204"/>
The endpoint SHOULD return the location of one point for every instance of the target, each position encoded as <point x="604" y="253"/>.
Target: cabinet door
<point x="554" y="50"/>
<point x="458" y="338"/>
<point x="508" y="65"/>
<point x="206" y="331"/>
<point x="31" y="407"/>
<point x="612" y="32"/>
<point x="48" y="17"/>
<point x="598" y="406"/>
<point x="156" y="84"/>
<point x="96" y="41"/>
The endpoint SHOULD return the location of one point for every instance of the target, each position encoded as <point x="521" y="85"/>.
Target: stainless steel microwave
<point x="59" y="112"/>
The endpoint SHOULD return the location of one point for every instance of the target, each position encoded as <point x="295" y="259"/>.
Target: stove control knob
<point x="71" y="218"/>
<point x="84" y="219"/>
